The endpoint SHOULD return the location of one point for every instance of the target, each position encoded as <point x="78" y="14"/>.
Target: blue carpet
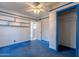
<point x="33" y="49"/>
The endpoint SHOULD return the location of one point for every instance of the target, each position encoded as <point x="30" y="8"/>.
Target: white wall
<point x="49" y="29"/>
<point x="45" y="29"/>
<point x="38" y="30"/>
<point x="9" y="34"/>
<point x="52" y="30"/>
<point x="11" y="29"/>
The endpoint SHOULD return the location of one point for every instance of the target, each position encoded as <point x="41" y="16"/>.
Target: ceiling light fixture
<point x="36" y="10"/>
<point x="36" y="7"/>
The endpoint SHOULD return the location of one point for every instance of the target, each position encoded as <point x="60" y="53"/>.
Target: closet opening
<point x="67" y="30"/>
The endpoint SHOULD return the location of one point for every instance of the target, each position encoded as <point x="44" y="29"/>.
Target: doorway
<point x="33" y="30"/>
<point x="66" y="29"/>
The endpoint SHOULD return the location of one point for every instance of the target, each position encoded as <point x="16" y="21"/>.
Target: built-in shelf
<point x="7" y="20"/>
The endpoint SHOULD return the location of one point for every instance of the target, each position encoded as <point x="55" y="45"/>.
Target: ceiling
<point x="23" y="7"/>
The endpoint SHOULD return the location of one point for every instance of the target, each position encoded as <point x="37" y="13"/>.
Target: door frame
<point x="57" y="28"/>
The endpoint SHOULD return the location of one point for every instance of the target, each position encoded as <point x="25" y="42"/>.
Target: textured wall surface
<point x="13" y="30"/>
<point x="38" y="30"/>
<point x="45" y="29"/>
<point x="52" y="30"/>
<point x="9" y="34"/>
